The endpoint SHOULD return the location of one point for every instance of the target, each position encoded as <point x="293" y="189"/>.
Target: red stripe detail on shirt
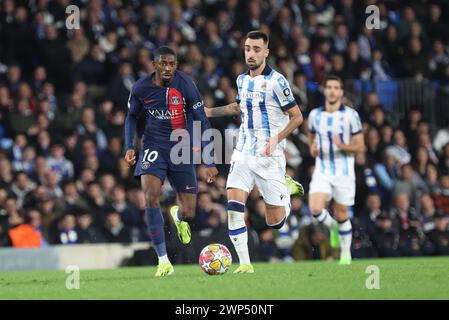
<point x="176" y="107"/>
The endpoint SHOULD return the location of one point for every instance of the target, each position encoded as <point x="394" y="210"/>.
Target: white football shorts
<point x="267" y="173"/>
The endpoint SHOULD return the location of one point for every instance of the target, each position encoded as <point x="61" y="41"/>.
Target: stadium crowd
<point x="63" y="101"/>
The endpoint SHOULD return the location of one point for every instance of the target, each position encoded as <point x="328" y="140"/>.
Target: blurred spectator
<point x="440" y="235"/>
<point x="441" y="139"/>
<point x="367" y="219"/>
<point x="386" y="236"/>
<point x="441" y="196"/>
<point x="86" y="231"/>
<point x="22" y="187"/>
<point x="427" y="212"/>
<point x="59" y="164"/>
<point x="66" y="231"/>
<point x="88" y="129"/>
<point x="115" y="230"/>
<point x="411" y="184"/>
<point x="401" y="211"/>
<point x="312" y="244"/>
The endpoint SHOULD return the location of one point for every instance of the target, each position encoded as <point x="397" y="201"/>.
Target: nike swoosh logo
<point x="148" y="101"/>
<point x="189" y="188"/>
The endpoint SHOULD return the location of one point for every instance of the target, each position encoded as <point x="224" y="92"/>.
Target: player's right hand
<point x="130" y="157"/>
<point x="313" y="150"/>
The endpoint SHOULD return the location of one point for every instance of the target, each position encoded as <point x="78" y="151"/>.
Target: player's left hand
<point x="211" y="174"/>
<point x="270" y="146"/>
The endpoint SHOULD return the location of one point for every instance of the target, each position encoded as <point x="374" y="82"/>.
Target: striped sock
<point x="325" y="218"/>
<point x="237" y="230"/>
<point x="345" y="232"/>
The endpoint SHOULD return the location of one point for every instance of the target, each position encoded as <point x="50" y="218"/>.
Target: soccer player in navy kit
<point x="166" y="100"/>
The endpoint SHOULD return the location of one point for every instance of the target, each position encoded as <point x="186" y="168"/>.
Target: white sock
<point x="237" y="230"/>
<point x="164" y="259"/>
<point x="288" y="207"/>
<point x="325" y="218"/>
<point x="345" y="232"/>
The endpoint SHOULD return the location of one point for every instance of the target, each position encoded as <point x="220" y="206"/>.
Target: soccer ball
<point x="215" y="259"/>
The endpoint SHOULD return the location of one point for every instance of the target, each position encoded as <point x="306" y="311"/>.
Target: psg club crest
<point x="145" y="165"/>
<point x="175" y="100"/>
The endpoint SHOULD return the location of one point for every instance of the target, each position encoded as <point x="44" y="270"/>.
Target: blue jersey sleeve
<point x="283" y="94"/>
<point x="195" y="104"/>
<point x="134" y="108"/>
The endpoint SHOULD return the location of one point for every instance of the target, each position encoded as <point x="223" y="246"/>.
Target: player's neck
<point x="332" y="107"/>
<point x="258" y="71"/>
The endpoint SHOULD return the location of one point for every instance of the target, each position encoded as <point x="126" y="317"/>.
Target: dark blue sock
<point x="155" y="227"/>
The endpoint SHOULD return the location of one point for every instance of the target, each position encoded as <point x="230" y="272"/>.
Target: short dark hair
<point x="164" y="50"/>
<point x="256" y="34"/>
<point x="333" y="77"/>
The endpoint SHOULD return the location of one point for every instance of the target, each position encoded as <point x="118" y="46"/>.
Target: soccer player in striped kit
<point x="269" y="114"/>
<point x="335" y="136"/>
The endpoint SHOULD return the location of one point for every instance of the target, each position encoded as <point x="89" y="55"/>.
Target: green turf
<point x="405" y="278"/>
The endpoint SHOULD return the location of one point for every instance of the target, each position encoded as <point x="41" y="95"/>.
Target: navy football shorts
<point x="157" y="163"/>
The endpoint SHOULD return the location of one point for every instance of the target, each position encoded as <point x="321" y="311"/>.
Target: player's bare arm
<point x="229" y="110"/>
<point x="296" y="119"/>
<point x="357" y="144"/>
<point x="312" y="144"/>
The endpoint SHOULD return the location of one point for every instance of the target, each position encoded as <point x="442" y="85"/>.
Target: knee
<point x="315" y="209"/>
<point x="152" y="199"/>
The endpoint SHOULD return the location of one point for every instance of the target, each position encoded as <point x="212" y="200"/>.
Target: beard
<point x="254" y="66"/>
<point x="333" y="100"/>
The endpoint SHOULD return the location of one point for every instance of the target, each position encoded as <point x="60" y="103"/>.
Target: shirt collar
<point x="266" y="71"/>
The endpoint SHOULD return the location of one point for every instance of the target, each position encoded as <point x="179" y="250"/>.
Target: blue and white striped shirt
<point x="344" y="123"/>
<point x="264" y="100"/>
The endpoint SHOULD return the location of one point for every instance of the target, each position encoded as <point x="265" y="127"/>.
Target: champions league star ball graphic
<point x="215" y="259"/>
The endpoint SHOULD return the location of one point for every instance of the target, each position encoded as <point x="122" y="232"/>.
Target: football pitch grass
<point x="403" y="278"/>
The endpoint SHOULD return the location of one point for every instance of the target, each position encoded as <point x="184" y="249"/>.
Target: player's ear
<point x="267" y="52"/>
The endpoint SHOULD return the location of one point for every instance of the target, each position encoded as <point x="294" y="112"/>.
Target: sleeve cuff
<point x="357" y="132"/>
<point x="288" y="106"/>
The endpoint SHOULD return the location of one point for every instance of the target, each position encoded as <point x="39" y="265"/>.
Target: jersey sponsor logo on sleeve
<point x="197" y="105"/>
<point x="282" y="82"/>
<point x="286" y="92"/>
